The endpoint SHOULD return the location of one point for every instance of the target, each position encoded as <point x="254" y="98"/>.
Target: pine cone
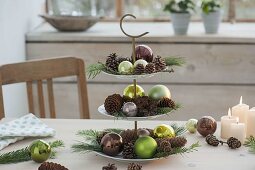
<point x="166" y="102"/>
<point x="51" y="166"/>
<point x="234" y="143"/>
<point x="113" y="103"/>
<point x="112" y="62"/>
<point x="139" y="69"/>
<point x="212" y="140"/>
<point x="127" y="99"/>
<point x="100" y="136"/>
<point x="164" y="146"/>
<point x="109" y="167"/>
<point x="128" y="151"/>
<point x="120" y="59"/>
<point x="128" y="135"/>
<point x="150" y="68"/>
<point x="177" y="142"/>
<point x="160" y="63"/>
<point x="134" y="166"/>
<point x="145" y="106"/>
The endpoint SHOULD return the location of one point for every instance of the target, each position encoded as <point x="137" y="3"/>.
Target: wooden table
<point x="206" y="157"/>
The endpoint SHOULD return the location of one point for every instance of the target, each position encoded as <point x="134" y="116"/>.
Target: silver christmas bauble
<point x="129" y="109"/>
<point x="143" y="132"/>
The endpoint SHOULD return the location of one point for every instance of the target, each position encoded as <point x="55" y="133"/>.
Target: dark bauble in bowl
<point x="144" y="52"/>
<point x="206" y="125"/>
<point x="111" y="144"/>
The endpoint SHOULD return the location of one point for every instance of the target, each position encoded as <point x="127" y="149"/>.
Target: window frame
<point x="120" y="6"/>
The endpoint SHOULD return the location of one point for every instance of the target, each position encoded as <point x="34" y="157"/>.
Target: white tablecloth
<point x="206" y="158"/>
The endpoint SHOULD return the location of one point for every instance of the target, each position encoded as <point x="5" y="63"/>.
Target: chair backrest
<point x="46" y="69"/>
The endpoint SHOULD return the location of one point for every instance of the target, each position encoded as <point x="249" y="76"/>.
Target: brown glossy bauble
<point x="111" y="144"/>
<point x="206" y="125"/>
<point x="144" y="52"/>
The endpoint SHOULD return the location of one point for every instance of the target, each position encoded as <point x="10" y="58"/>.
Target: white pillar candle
<point x="237" y="130"/>
<point x="250" y="131"/>
<point x="225" y="124"/>
<point x="240" y="111"/>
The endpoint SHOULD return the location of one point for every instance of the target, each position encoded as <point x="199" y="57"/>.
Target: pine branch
<point x="167" y="110"/>
<point x="89" y="135"/>
<point x="86" y="147"/>
<point x="181" y="151"/>
<point x="95" y="69"/>
<point x="114" y="130"/>
<point x="175" y="61"/>
<point x="20" y="155"/>
<point x="250" y="143"/>
<point x="57" y="144"/>
<point x="23" y="154"/>
<point x="179" y="130"/>
<point x="184" y="150"/>
<point x="53" y="145"/>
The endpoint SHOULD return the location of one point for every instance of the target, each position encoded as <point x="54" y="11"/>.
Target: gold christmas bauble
<point x="129" y="91"/>
<point x="40" y="151"/>
<point x="163" y="131"/>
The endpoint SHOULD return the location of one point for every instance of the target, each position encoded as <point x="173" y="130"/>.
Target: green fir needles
<point x="23" y="154"/>
<point x="95" y="69"/>
<point x="250" y="143"/>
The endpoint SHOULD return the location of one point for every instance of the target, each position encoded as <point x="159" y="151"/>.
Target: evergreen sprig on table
<point x="23" y="154"/>
<point x="250" y="143"/>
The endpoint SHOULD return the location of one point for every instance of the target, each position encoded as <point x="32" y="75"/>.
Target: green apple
<point x="191" y="125"/>
<point x="125" y="67"/>
<point x="141" y="61"/>
<point x="158" y="92"/>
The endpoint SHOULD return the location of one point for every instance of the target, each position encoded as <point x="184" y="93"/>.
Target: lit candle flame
<point x="229" y="113"/>
<point x="241" y="100"/>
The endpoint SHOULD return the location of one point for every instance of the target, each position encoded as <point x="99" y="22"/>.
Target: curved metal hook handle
<point x="131" y="36"/>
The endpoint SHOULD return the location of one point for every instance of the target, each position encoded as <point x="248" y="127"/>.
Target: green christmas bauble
<point x="129" y="91"/>
<point x="158" y="92"/>
<point x="191" y="125"/>
<point x="163" y="131"/>
<point x="145" y="147"/>
<point x="141" y="61"/>
<point x="125" y="67"/>
<point x="40" y="151"/>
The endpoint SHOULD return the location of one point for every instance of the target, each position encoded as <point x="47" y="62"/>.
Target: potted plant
<point x="180" y="14"/>
<point x="211" y="15"/>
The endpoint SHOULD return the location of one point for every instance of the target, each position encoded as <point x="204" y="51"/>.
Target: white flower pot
<point x="212" y="21"/>
<point x="180" y="23"/>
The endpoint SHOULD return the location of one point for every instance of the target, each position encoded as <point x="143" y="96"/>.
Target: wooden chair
<point x="47" y="69"/>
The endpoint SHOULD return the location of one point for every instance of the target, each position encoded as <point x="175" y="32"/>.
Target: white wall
<point x="17" y="17"/>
